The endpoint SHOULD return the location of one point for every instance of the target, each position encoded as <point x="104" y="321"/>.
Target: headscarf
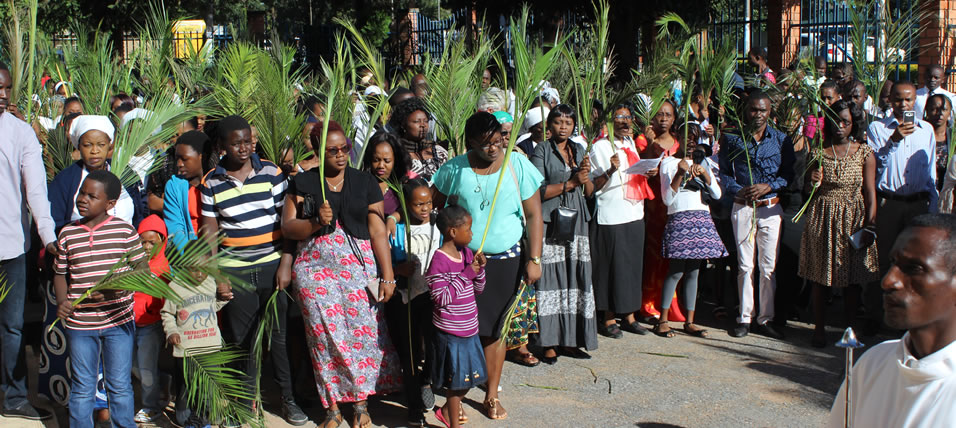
<point x="548" y="93"/>
<point x="372" y="90"/>
<point x="86" y="123"/>
<point x="139" y="113"/>
<point x="56" y="88"/>
<point x="534" y="117"/>
<point x="503" y="117"/>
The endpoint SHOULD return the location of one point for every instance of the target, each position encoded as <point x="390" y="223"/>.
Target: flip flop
<point x="524" y="359"/>
<point x="441" y="417"/>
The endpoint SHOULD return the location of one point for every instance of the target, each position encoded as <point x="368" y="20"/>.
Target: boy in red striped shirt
<point x="103" y="322"/>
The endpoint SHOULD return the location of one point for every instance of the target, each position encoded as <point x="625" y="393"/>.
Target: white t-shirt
<point x="612" y="207"/>
<point x="891" y="388"/>
<point x="684" y="199"/>
<point x="425" y="240"/>
<point x="123" y="210"/>
<point x="923" y="94"/>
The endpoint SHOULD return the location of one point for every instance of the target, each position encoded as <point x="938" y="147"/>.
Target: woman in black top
<point x="339" y="242"/>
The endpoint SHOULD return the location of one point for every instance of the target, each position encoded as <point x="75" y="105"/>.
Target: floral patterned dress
<point x="352" y="355"/>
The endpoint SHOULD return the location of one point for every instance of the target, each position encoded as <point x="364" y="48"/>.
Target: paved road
<point x="648" y="381"/>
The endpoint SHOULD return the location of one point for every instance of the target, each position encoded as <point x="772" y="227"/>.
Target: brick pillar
<point x="937" y="38"/>
<point x="783" y="38"/>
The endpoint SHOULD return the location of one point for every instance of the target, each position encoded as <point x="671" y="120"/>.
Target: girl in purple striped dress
<point x="454" y="277"/>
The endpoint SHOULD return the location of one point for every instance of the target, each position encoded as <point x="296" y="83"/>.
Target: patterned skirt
<point x="691" y="235"/>
<point x="352" y="354"/>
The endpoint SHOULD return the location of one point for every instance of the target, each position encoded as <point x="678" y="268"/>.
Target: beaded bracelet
<point x="382" y="281"/>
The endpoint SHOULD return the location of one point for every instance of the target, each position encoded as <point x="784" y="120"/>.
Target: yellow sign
<point x="189" y="36"/>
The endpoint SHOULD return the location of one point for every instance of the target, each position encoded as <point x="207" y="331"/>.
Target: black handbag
<point x="563" y="220"/>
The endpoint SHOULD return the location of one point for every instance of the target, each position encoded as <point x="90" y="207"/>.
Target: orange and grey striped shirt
<point x="86" y="257"/>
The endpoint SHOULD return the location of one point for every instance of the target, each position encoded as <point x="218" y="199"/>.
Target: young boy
<point x="103" y="323"/>
<point x="191" y="327"/>
<point x="243" y="198"/>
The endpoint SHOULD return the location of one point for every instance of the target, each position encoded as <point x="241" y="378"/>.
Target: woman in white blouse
<point x="690" y="237"/>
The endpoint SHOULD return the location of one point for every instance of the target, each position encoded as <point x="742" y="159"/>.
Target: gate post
<point x="936" y="36"/>
<point x="783" y="34"/>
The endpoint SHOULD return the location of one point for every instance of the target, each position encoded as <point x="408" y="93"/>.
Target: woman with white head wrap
<point x="532" y="130"/>
<point x="92" y="136"/>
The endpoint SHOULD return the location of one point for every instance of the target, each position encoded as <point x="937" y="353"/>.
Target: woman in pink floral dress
<point x="339" y="242"/>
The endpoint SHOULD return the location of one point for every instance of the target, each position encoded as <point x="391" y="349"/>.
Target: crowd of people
<point x="415" y="269"/>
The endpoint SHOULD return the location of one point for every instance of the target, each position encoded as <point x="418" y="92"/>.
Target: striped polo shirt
<point x="453" y="285"/>
<point x="248" y="212"/>
<point x="86" y="257"/>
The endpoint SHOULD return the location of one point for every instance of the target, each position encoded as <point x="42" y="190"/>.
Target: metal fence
<point x="744" y="24"/>
<point x="183" y="43"/>
<point x="825" y="30"/>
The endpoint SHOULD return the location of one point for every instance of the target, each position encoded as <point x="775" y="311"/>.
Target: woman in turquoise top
<point x="472" y="178"/>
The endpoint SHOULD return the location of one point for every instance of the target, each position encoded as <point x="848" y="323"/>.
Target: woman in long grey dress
<point x="566" y="318"/>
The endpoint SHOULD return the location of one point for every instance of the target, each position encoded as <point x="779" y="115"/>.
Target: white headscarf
<point x="547" y="92"/>
<point x="533" y="117"/>
<point x="83" y="124"/>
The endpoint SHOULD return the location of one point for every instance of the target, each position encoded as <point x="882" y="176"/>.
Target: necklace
<point x="335" y="187"/>
<point x="838" y="168"/>
<point x="480" y="189"/>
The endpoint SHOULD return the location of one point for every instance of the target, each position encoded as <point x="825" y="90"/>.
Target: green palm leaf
<point x="454" y="91"/>
<point x="159" y="125"/>
<point x="215" y="387"/>
<point x="235" y="82"/>
<point x="276" y="120"/>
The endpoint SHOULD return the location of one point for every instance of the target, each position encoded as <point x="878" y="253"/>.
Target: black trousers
<point x="411" y="342"/>
<point x="240" y="322"/>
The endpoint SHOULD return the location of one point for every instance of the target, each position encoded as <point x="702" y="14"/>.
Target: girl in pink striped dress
<point x="454" y="277"/>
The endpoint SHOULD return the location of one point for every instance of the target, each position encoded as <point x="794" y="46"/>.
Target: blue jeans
<point x="13" y="369"/>
<point x="149" y="344"/>
<point x="86" y="346"/>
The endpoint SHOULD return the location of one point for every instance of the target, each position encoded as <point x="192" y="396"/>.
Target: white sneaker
<point x="145" y="416"/>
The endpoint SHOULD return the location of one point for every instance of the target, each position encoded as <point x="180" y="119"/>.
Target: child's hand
<point x="223" y="291"/>
<point x="174" y="339"/>
<point x="64" y="309"/>
<point x="478" y="263"/>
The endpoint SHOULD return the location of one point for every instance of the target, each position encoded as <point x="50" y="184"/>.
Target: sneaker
<point x="292" y="413"/>
<point x="28" y="412"/>
<point x="146" y="416"/>
<point x="770" y="331"/>
<point x="741" y="330"/>
<point x="428" y="397"/>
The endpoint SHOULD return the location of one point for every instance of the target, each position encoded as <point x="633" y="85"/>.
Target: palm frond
<point x="93" y="71"/>
<point x="591" y="71"/>
<point x="18" y="51"/>
<point x="216" y="389"/>
<point x="276" y="120"/>
<point x="454" y="89"/>
<point x="369" y="56"/>
<point x="57" y="152"/>
<point x="165" y="113"/>
<point x="154" y="49"/>
<point x="4" y="287"/>
<point x="235" y="82"/>
<point x="531" y="67"/>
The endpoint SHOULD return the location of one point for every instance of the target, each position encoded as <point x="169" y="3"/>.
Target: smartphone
<point x="909" y="116"/>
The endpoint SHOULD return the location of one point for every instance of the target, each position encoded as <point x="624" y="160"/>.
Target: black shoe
<point x="574" y="353"/>
<point x="741" y="330"/>
<point x="770" y="331"/>
<point x="416" y="418"/>
<point x="28" y="412"/>
<point x="549" y="360"/>
<point x="428" y="397"/>
<point x="635" y="328"/>
<point x="292" y="413"/>
<point x="613" y="331"/>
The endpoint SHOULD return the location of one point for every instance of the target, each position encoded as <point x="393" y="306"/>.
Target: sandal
<point x="441" y="417"/>
<point x="333" y="418"/>
<point x="663" y="333"/>
<point x="462" y="417"/>
<point x="526" y="359"/>
<point x="360" y="411"/>
<point x="494" y="410"/>
<point x="693" y="330"/>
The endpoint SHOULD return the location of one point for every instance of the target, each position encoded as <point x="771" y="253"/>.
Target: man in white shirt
<point x="911" y="382"/>
<point x="935" y="76"/>
<point x="22" y="185"/>
<point x="905" y="178"/>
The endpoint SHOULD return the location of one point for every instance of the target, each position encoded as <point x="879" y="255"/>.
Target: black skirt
<point x="617" y="266"/>
<point x="502" y="277"/>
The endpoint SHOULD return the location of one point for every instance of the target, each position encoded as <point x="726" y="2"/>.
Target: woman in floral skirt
<point x="340" y="241"/>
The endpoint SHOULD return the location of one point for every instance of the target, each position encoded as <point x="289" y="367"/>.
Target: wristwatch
<point x="536" y="260"/>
